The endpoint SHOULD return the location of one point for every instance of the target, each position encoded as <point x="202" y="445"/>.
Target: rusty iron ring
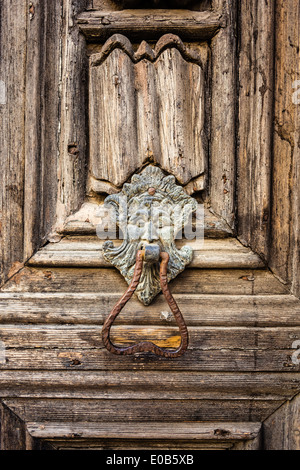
<point x="147" y="346"/>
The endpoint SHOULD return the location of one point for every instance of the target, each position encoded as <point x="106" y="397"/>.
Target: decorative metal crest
<point x="152" y="209"/>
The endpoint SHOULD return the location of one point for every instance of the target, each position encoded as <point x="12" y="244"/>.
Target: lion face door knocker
<point x="150" y="211"/>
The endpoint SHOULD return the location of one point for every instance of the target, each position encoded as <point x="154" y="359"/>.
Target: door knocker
<point x="150" y="211"/>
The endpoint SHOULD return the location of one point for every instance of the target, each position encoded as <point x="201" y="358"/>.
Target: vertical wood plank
<point x="181" y="116"/>
<point x="72" y="158"/>
<point x="41" y="122"/>
<point x="285" y="242"/>
<point x="256" y="59"/>
<point x="12" y="74"/>
<point x="33" y="131"/>
<point x="223" y="142"/>
<point x="147" y="99"/>
<point x="113" y="122"/>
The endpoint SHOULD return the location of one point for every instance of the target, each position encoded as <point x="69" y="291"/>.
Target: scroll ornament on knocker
<point x="150" y="211"/>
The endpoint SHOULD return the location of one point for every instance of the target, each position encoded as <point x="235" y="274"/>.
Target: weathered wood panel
<point x="252" y="444"/>
<point x="85" y="252"/>
<point x="99" y="25"/>
<point x="13" y="30"/>
<point x="164" y="431"/>
<point x="152" y="110"/>
<point x="206" y="338"/>
<point x="106" y="280"/>
<point x="72" y="156"/>
<point x="199" y="310"/>
<point x="143" y="384"/>
<point x="94" y="259"/>
<point x="223" y="115"/>
<point x="242" y="323"/>
<point x="284" y="259"/>
<point x="113" y="411"/>
<point x="42" y="121"/>
<point x="198" y="360"/>
<point x="14" y="435"/>
<point x="181" y="116"/>
<point x="112" y="117"/>
<point x="282" y="429"/>
<point x="255" y="76"/>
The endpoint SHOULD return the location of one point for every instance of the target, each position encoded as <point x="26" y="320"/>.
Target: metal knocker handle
<point x="146" y="346"/>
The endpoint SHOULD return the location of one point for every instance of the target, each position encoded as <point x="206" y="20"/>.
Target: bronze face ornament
<point x="150" y="212"/>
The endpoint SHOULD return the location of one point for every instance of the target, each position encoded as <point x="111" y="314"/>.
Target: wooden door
<point x="91" y="93"/>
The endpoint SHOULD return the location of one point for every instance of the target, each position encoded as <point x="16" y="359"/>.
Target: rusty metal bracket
<point x="150" y="253"/>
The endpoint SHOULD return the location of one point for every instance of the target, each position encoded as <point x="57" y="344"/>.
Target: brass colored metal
<point x="147" y="346"/>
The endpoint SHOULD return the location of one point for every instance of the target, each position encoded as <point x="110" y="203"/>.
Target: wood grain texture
<point x="284" y="256"/>
<point x="13" y="30"/>
<point x="57" y="381"/>
<point x="42" y="122"/>
<point x="14" y="434"/>
<point x="107" y="280"/>
<point x="256" y="60"/>
<point x="282" y="428"/>
<point x="201" y="338"/>
<point x="164" y="431"/>
<point x="143" y="384"/>
<point x="149" y="24"/>
<point x="130" y="411"/>
<point x="223" y="116"/>
<point x="196" y="361"/>
<point x="228" y="349"/>
<point x="199" y="310"/>
<point x="132" y="113"/>
<point x="228" y="253"/>
<point x="72" y="147"/>
<point x="251" y="444"/>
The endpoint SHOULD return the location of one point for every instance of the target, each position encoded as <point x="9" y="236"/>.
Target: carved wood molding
<point x="133" y="120"/>
<point x="118" y="41"/>
<point x="149" y="24"/>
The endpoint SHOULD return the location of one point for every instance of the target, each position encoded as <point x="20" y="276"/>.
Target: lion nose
<point x="152" y="233"/>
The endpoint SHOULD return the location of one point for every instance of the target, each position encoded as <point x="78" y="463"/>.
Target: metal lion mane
<point x="156" y="210"/>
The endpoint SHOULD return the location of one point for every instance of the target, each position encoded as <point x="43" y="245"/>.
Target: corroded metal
<point x="147" y="346"/>
<point x="156" y="210"/>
